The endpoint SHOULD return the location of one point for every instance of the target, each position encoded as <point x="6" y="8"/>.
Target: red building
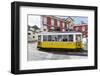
<point x="53" y="23"/>
<point x="82" y="28"/>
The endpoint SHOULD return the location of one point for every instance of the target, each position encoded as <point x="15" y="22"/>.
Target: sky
<point x="35" y="19"/>
<point x="78" y="19"/>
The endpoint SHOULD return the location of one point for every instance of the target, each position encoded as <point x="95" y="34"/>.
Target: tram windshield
<point x="78" y="38"/>
<point x="39" y="38"/>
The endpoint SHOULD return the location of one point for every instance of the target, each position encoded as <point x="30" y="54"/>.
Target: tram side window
<point x="55" y="38"/>
<point x="49" y="37"/>
<point x="65" y="37"/>
<point x="39" y="38"/>
<point x="52" y="38"/>
<point x="60" y="38"/>
<point x="70" y="37"/>
<point x="45" y="38"/>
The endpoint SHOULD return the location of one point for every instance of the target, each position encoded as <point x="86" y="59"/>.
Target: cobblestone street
<point x="35" y="54"/>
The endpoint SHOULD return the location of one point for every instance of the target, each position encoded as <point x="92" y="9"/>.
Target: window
<point x="52" y="22"/>
<point x="45" y="28"/>
<point x="48" y="20"/>
<point x="33" y="36"/>
<point x="76" y="28"/>
<point x="70" y="37"/>
<point x="29" y="33"/>
<point x="51" y="29"/>
<point x="39" y="37"/>
<point x="45" y="38"/>
<point x="83" y="29"/>
<point x="52" y="38"/>
<point x="65" y="37"/>
<point x="58" y="23"/>
<point x="49" y="37"/>
<point x="58" y="29"/>
<point x="84" y="36"/>
<point x="45" y="20"/>
<point x="60" y="38"/>
<point x="78" y="37"/>
<point x="63" y="30"/>
<point x="63" y="25"/>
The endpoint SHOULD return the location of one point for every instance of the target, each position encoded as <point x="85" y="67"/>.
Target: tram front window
<point x="78" y="38"/>
<point x="39" y="38"/>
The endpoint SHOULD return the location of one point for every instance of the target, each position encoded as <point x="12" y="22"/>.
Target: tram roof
<point x="59" y="33"/>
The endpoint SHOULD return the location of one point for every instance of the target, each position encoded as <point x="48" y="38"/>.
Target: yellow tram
<point x="69" y="40"/>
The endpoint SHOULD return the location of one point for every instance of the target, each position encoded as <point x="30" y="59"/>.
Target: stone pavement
<point x="35" y="54"/>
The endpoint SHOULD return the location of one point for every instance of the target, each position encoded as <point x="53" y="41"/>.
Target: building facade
<point x="32" y="33"/>
<point x="81" y="28"/>
<point x="56" y="24"/>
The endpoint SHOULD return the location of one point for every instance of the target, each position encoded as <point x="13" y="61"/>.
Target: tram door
<point x="78" y="41"/>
